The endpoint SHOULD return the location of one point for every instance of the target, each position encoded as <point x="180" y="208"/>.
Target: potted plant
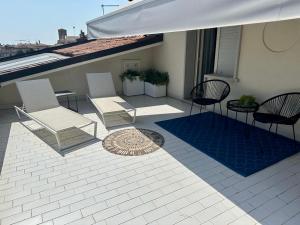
<point x="132" y="83"/>
<point x="155" y="82"/>
<point x="247" y="100"/>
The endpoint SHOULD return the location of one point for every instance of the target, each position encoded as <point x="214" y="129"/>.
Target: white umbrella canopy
<point x="163" y="16"/>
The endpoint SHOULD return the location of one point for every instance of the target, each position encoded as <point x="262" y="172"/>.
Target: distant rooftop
<point x="98" y="45"/>
<point x="48" y="59"/>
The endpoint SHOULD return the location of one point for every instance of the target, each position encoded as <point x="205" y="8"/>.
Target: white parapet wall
<point x="74" y="78"/>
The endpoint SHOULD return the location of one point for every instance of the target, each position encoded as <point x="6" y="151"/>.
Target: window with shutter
<point x="227" y="51"/>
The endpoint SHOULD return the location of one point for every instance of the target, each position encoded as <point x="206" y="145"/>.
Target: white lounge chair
<point x="42" y="107"/>
<point x="102" y="94"/>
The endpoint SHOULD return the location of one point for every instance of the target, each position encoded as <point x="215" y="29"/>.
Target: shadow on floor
<point x="71" y="139"/>
<point x="262" y="195"/>
<point x="267" y="196"/>
<point x="4" y="137"/>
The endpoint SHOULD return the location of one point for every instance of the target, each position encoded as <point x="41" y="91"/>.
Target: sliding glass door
<point x="206" y="62"/>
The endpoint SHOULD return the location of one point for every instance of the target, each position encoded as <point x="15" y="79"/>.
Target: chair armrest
<point x="19" y="110"/>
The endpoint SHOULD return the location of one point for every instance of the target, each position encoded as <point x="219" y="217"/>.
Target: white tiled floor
<point x="174" y="185"/>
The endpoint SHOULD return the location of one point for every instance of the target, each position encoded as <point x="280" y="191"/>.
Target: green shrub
<point x="247" y="100"/>
<point x="155" y="77"/>
<point x="130" y="75"/>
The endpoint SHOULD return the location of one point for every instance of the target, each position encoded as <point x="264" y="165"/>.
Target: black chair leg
<point x="294" y="133"/>
<point x="213" y="117"/>
<point x="295" y="143"/>
<point x="221" y="109"/>
<point x="191" y="108"/>
<point x="259" y="144"/>
<point x="276" y="128"/>
<point x="270" y="127"/>
<point x="200" y="108"/>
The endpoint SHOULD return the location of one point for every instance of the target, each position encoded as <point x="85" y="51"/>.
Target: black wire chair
<point x="210" y="92"/>
<point x="281" y="109"/>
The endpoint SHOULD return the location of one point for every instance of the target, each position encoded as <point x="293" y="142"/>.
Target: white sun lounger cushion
<point x="42" y="107"/>
<point x="60" y="118"/>
<point x="100" y="85"/>
<point x="111" y="104"/>
<point x="102" y="94"/>
<point x="41" y="104"/>
<point x="37" y="95"/>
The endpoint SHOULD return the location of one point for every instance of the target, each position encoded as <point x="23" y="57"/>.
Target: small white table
<point x="67" y="94"/>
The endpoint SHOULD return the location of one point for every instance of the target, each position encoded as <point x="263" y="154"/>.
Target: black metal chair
<point x="281" y="109"/>
<point x="210" y="92"/>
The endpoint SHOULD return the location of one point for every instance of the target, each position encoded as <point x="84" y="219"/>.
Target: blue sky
<point x="35" y="20"/>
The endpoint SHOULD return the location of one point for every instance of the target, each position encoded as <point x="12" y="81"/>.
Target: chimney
<point x="62" y="34"/>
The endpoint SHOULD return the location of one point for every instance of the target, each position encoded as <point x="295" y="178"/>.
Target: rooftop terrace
<point x="175" y="185"/>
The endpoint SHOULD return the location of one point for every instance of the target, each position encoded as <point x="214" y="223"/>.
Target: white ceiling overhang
<point x="163" y="16"/>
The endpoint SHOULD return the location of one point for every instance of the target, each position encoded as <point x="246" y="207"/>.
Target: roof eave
<point x="5" y="78"/>
<point x="44" y="50"/>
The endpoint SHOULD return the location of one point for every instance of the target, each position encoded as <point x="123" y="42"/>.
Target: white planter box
<point x="155" y="90"/>
<point x="135" y="87"/>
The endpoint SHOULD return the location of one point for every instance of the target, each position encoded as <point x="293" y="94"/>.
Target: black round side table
<point x="236" y="106"/>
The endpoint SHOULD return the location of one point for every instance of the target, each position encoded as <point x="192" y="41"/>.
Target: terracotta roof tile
<point x="98" y="45"/>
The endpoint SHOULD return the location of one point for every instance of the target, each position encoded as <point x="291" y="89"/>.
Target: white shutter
<point x="227" y="51"/>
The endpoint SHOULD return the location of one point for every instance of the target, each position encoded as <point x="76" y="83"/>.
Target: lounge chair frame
<point x="107" y="91"/>
<point x="20" y="111"/>
<point x="102" y="114"/>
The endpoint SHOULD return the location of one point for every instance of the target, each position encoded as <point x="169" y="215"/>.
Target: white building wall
<point x="170" y="57"/>
<point x="74" y="78"/>
<point x="263" y="73"/>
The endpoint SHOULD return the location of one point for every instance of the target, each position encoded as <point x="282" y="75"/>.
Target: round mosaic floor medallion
<point x="133" y="142"/>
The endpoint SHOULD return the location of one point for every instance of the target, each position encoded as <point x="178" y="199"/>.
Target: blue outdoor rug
<point x="243" y="148"/>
